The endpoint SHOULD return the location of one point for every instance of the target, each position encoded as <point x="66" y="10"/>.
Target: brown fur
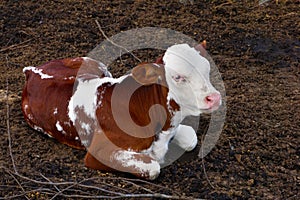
<point x="43" y="96"/>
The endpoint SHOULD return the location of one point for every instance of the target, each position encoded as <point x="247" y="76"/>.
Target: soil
<point x="256" y="47"/>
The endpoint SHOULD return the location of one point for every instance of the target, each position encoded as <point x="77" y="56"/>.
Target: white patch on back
<point x="55" y="111"/>
<point x="37" y="71"/>
<point x="85" y="99"/>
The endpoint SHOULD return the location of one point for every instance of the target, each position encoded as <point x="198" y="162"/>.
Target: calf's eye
<point x="179" y="78"/>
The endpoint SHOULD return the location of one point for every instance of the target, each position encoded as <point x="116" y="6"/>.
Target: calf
<point x="125" y="123"/>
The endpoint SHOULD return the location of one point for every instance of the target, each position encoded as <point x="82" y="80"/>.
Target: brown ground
<point x="257" y="50"/>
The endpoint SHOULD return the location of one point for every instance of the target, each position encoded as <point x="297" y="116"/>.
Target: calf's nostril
<point x="209" y="99"/>
<point x="213" y="99"/>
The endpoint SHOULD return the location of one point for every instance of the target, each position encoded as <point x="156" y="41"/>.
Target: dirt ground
<point x="256" y="48"/>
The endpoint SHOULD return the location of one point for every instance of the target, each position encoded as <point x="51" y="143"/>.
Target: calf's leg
<point x="104" y="155"/>
<point x="185" y="137"/>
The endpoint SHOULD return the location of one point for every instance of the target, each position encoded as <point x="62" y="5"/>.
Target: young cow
<point x="126" y="123"/>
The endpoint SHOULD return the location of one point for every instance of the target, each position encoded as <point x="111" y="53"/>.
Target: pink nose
<point x="213" y="100"/>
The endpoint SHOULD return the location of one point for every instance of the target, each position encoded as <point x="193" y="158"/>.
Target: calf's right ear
<point x="147" y="74"/>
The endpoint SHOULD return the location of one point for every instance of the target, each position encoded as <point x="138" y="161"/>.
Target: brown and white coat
<point x="124" y="123"/>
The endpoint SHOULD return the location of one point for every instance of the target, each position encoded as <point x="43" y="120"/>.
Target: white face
<point x="187" y="75"/>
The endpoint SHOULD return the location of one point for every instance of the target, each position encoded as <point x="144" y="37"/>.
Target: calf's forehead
<point x="185" y="60"/>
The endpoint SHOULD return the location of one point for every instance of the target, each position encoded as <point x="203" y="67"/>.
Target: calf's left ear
<point x="202" y="48"/>
<point x="147" y="73"/>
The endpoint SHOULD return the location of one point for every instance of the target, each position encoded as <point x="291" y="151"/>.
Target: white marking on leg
<point x="127" y="159"/>
<point x="160" y="147"/>
<point x="185" y="137"/>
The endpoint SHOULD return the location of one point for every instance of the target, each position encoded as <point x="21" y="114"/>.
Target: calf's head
<point x="187" y="76"/>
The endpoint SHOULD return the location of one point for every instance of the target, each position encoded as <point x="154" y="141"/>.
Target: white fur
<point x="59" y="127"/>
<point x="127" y="159"/>
<point x="187" y="76"/>
<point x="37" y="71"/>
<point x="185" y="137"/>
<point x="69" y="78"/>
<point x="190" y="91"/>
<point x="159" y="147"/>
<point x="37" y="128"/>
<point x="85" y="95"/>
<point x="26" y="112"/>
<point x="85" y="98"/>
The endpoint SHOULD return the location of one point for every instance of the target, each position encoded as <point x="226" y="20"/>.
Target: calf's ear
<point x="147" y="73"/>
<point x="202" y="48"/>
